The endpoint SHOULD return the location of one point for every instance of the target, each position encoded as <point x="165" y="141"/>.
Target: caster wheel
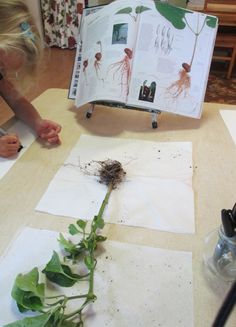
<point x="154" y="124"/>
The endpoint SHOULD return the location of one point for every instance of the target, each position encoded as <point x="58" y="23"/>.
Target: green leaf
<point x="98" y="222"/>
<point x="54" y="264"/>
<point x="67" y="244"/>
<point x="81" y="223"/>
<point x="127" y="10"/>
<point x="140" y="9"/>
<point x="211" y="21"/>
<point x="175" y="15"/>
<point x="100" y="238"/>
<point x="84" y="244"/>
<point x="59" y="273"/>
<point x="29" y="282"/>
<point x="73" y="230"/>
<point x="38" y="321"/>
<point x="27" y="292"/>
<point x="26" y="300"/>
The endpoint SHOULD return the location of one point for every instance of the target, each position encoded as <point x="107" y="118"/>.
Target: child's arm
<point x="25" y="111"/>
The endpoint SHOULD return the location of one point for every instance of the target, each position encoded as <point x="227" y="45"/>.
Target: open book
<point x="146" y="54"/>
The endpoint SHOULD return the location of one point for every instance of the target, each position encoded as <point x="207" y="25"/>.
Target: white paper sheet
<point x="26" y="137"/>
<point x="135" y="285"/>
<point x="157" y="192"/>
<point x="229" y="117"/>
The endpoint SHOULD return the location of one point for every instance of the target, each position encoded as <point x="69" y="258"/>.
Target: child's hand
<point x="48" y="130"/>
<point x="9" y="145"/>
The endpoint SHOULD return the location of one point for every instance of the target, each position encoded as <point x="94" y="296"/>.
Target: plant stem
<point x="105" y="201"/>
<point x="90" y="295"/>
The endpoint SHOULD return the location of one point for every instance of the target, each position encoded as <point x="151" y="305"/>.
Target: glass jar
<point x="220" y="254"/>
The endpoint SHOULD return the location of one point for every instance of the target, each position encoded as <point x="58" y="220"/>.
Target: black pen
<point x="3" y="132"/>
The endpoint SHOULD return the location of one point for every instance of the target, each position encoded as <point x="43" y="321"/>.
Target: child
<point x="20" y="53"/>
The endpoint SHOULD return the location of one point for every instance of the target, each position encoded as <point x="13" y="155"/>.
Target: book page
<point x="108" y="39"/>
<point x="77" y="61"/>
<point x="172" y="59"/>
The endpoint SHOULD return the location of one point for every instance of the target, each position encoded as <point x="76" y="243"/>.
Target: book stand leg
<point x="90" y="110"/>
<point x="153" y="114"/>
<point x="154" y="118"/>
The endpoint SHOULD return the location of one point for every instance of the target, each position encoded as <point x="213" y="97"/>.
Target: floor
<point x="56" y="69"/>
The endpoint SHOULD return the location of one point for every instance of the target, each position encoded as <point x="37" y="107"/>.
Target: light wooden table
<point x="214" y="176"/>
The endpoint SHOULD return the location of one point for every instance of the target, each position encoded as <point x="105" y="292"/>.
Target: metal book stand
<point x="154" y="113"/>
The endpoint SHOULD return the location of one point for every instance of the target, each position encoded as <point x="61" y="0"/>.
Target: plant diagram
<point x="129" y="11"/>
<point x="85" y="66"/>
<point x="164" y="39"/>
<point x="122" y="69"/>
<point x="98" y="58"/>
<point x="177" y="16"/>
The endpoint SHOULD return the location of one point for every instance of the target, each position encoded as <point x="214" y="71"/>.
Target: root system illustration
<point x="98" y="58"/>
<point x="181" y="86"/>
<point x="122" y="69"/>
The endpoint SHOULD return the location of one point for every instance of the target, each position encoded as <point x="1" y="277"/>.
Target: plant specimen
<point x="129" y="10"/>
<point x="31" y="295"/>
<point x="177" y="16"/>
<point x="123" y="69"/>
<point x="98" y="57"/>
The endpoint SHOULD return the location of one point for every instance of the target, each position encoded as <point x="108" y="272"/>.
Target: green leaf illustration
<point x="140" y="9"/>
<point x="211" y="21"/>
<point x="173" y="14"/>
<point x="127" y="10"/>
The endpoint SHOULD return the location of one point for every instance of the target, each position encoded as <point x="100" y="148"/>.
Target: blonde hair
<point x="26" y="41"/>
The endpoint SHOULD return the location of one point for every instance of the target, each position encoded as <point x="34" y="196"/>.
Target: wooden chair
<point x="225" y="10"/>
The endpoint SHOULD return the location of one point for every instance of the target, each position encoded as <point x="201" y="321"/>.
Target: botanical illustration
<point x="122" y="69"/>
<point x="129" y="11"/>
<point x="85" y="66"/>
<point x="164" y="39"/>
<point x="177" y="16"/>
<point x="98" y="58"/>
